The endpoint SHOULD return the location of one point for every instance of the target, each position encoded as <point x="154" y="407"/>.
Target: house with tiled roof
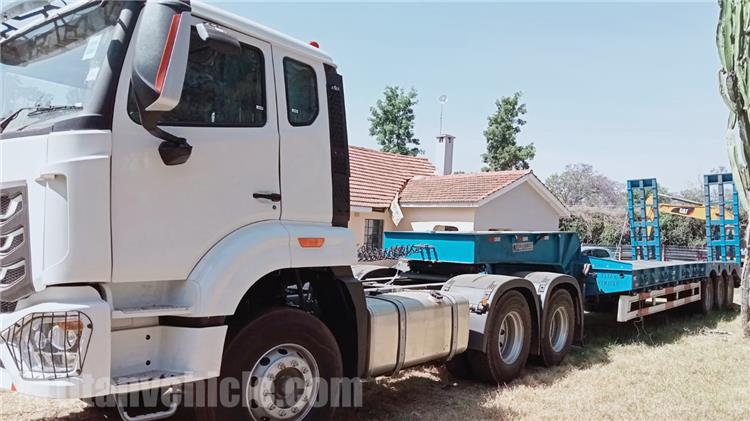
<point x="391" y="192"/>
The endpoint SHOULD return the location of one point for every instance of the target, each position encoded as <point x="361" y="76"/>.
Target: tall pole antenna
<point x="443" y="99"/>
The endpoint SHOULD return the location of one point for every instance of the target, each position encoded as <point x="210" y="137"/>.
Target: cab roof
<point x="254" y="29"/>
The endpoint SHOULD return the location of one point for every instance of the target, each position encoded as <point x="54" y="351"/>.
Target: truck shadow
<point x="426" y="391"/>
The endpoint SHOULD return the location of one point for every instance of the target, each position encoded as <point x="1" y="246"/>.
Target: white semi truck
<point x="175" y="202"/>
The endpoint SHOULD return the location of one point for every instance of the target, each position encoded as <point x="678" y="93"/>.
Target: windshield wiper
<point x="51" y="108"/>
<point x="36" y="111"/>
<point x="12" y="116"/>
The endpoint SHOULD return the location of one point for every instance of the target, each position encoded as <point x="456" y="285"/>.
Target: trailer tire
<point x="729" y="292"/>
<point x="282" y="345"/>
<point x="707" y="296"/>
<point x="720" y="293"/>
<point x="508" y="341"/>
<point x="559" y="322"/>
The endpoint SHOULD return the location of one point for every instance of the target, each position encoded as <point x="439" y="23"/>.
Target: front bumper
<point x="138" y="355"/>
<point x="94" y="379"/>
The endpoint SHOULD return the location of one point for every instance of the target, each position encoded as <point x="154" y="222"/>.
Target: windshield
<point x="50" y="72"/>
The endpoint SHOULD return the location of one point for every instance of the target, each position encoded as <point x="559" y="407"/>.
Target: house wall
<point x="522" y="208"/>
<point x="425" y="219"/>
<point x="357" y="223"/>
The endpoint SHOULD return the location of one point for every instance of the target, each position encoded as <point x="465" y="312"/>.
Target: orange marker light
<point x="311" y="242"/>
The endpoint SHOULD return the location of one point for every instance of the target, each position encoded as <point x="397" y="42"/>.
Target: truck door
<point x="165" y="218"/>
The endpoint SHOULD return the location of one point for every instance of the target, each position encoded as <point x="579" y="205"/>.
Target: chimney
<point x="444" y="160"/>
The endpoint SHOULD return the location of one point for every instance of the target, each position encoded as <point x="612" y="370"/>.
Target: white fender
<point x="243" y="257"/>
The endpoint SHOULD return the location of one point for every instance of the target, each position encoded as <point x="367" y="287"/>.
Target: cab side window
<point x="219" y="89"/>
<point x="301" y="92"/>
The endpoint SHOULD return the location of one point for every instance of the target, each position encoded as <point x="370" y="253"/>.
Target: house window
<point x="374" y="233"/>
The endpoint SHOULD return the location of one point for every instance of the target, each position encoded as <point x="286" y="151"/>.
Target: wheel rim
<point x="510" y="339"/>
<point x="559" y="329"/>
<point x="283" y="384"/>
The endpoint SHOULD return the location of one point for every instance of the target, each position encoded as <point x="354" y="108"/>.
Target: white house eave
<point x="440" y="205"/>
<point x="360" y="209"/>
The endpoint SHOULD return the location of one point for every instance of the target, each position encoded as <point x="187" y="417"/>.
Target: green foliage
<point x="580" y="185"/>
<point x="392" y="121"/>
<point x="596" y="226"/>
<point x="503" y="153"/>
<point x="733" y="42"/>
<point x="681" y="231"/>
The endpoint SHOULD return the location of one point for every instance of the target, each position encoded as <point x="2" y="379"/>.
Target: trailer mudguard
<point x="545" y="283"/>
<point x="483" y="291"/>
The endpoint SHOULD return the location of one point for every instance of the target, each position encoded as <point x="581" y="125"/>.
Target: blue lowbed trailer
<point x="637" y="288"/>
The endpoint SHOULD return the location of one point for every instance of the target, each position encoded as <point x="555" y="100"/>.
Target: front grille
<point x="15" y="253"/>
<point x="12" y="273"/>
<point x="7" y="307"/>
<point x="11" y="204"/>
<point x="11" y="242"/>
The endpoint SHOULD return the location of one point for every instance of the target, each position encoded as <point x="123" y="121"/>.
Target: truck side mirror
<point x="162" y="42"/>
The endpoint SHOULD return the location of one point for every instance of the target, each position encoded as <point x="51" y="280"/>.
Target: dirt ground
<point x="675" y="365"/>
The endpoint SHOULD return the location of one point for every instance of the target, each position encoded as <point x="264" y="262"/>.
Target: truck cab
<point x="159" y="161"/>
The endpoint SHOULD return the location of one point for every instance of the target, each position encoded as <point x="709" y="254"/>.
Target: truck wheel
<point x="282" y="359"/>
<point x="707" y="296"/>
<point x="559" y="320"/>
<point x="508" y="341"/>
<point x="720" y="293"/>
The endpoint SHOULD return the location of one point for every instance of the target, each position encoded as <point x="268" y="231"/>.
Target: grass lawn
<point x="675" y="365"/>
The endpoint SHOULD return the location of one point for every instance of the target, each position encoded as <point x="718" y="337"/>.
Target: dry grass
<point x="677" y="366"/>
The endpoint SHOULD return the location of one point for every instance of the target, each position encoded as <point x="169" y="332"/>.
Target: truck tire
<point x="720" y="293"/>
<point x="707" y="296"/>
<point x="508" y="341"/>
<point x="280" y="346"/>
<point x="559" y="322"/>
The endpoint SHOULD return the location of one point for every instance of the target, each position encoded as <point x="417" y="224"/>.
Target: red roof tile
<point x="458" y="188"/>
<point x="376" y="176"/>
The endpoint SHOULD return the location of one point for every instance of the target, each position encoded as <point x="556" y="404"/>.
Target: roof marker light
<point x="315" y="44"/>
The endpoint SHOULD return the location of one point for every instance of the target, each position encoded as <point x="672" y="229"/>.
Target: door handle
<point x="274" y="197"/>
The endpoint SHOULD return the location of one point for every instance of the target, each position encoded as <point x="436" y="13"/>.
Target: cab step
<point x="150" y="311"/>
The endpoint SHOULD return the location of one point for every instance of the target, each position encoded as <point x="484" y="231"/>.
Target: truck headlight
<point x="49" y="345"/>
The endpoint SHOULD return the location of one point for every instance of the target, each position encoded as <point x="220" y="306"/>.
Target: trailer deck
<point x="513" y="252"/>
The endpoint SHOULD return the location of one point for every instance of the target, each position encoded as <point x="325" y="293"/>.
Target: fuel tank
<point x="413" y="327"/>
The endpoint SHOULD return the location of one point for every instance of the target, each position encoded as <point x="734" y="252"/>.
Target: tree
<point x="503" y="153"/>
<point x="392" y="121"/>
<point x="580" y="185"/>
<point x="733" y="41"/>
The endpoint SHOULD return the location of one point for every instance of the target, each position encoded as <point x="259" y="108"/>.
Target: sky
<point x="630" y="88"/>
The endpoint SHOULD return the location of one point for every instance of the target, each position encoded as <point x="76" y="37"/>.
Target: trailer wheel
<point x="559" y="320"/>
<point x="283" y="360"/>
<point x="720" y="293"/>
<point x="707" y="296"/>
<point x="729" y="282"/>
<point x="508" y="341"/>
